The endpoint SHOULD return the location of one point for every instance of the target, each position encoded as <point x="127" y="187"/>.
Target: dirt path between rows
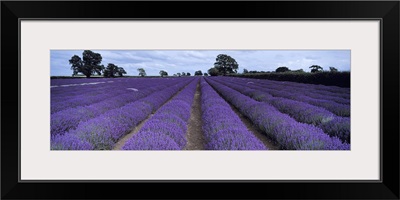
<point x="123" y="140"/>
<point x="194" y="135"/>
<point x="256" y="131"/>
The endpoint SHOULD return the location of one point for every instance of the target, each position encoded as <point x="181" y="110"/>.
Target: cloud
<point x="178" y="61"/>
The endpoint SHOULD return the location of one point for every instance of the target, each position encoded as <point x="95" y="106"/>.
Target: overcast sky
<point x="174" y="61"/>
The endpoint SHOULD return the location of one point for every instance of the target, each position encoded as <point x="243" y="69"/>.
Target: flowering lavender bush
<point x="222" y="128"/>
<point x="103" y="131"/>
<point x="298" y="110"/>
<point x="151" y="141"/>
<point x="166" y="129"/>
<point x="266" y="94"/>
<point x="65" y="120"/>
<point x="339" y="127"/>
<point x="289" y="133"/>
<point x="69" y="142"/>
<point x="281" y="89"/>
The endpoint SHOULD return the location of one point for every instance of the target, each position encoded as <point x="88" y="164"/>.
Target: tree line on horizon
<point x="90" y="64"/>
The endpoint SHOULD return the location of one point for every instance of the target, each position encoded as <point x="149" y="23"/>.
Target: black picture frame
<point x="13" y="11"/>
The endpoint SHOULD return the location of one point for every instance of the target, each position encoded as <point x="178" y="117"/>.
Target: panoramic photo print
<point x="200" y="100"/>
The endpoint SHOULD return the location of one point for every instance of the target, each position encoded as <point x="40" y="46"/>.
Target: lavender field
<point x="197" y="113"/>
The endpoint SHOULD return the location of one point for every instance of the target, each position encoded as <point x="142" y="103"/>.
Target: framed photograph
<point x="240" y="99"/>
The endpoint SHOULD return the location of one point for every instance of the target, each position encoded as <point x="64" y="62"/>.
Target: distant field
<point x="197" y="113"/>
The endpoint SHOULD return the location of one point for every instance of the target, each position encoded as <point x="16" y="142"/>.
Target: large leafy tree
<point x="282" y="69"/>
<point x="213" y="71"/>
<point x="316" y="68"/>
<point x="121" y="71"/>
<point x="111" y="70"/>
<point x="76" y="63"/>
<point x="163" y="73"/>
<point x="198" y="73"/>
<point x="226" y="64"/>
<point x="88" y="65"/>
<point x="142" y="72"/>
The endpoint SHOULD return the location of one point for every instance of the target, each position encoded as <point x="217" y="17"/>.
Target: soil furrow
<point x="194" y="136"/>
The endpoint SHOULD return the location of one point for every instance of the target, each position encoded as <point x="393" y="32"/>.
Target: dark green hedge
<point x="341" y="79"/>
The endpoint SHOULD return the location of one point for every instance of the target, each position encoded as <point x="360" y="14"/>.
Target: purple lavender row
<point x="327" y="90"/>
<point x="76" y="81"/>
<point x="166" y="129"/>
<point x="300" y="111"/>
<point x="223" y="129"/>
<point x="67" y="119"/>
<point x="75" y="88"/>
<point x="338" y="109"/>
<point x="104" y="131"/>
<point x="286" y="131"/>
<point x="284" y="86"/>
<point x="101" y="94"/>
<point x="60" y="94"/>
<point x="309" y="90"/>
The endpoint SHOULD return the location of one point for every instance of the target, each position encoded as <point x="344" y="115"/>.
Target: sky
<point x="178" y="61"/>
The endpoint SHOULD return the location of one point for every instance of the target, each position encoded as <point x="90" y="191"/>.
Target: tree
<point x="226" y="64"/>
<point x="245" y="71"/>
<point x="163" y="73"/>
<point x="198" y="73"/>
<point x="179" y="74"/>
<point x="183" y="74"/>
<point x="213" y="71"/>
<point x="282" y="69"/>
<point x="316" y="68"/>
<point x="111" y="70"/>
<point x="142" y="72"/>
<point x="76" y="63"/>
<point x="188" y="74"/>
<point x="121" y="71"/>
<point x="205" y="74"/>
<point x="89" y="65"/>
<point x="333" y="69"/>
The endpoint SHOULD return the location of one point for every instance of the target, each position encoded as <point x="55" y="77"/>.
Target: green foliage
<point x="198" y="73"/>
<point x="121" y="71"/>
<point x="316" y="68"/>
<point x="163" y="73"/>
<point x="179" y="74"/>
<point x="282" y="69"/>
<point x="188" y="74"/>
<point x="89" y="65"/>
<point x="341" y="79"/>
<point x="226" y="64"/>
<point x="142" y="72"/>
<point x="213" y="71"/>
<point x="112" y="70"/>
<point x="183" y="74"/>
<point x="245" y="71"/>
<point x="205" y="74"/>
